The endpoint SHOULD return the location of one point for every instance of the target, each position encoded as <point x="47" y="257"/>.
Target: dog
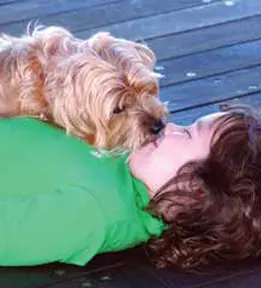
<point x="103" y="90"/>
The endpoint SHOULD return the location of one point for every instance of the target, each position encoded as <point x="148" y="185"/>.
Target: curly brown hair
<point x="212" y="207"/>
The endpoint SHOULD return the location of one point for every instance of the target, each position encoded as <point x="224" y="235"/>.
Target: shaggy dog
<point x="103" y="89"/>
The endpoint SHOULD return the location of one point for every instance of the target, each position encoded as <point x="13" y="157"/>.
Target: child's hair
<point x="212" y="208"/>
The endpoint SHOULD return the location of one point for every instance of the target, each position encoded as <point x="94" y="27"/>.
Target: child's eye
<point x="188" y="133"/>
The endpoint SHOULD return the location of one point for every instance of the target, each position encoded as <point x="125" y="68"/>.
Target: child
<point x="193" y="195"/>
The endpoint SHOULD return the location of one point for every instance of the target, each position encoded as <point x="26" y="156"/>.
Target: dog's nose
<point x="157" y="127"/>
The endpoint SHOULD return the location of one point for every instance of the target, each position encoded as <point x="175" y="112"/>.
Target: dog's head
<point x="117" y="90"/>
<point x="104" y="90"/>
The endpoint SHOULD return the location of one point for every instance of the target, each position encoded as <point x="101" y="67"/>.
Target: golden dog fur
<point x="102" y="89"/>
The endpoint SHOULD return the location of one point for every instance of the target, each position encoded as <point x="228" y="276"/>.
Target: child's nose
<point x="171" y="127"/>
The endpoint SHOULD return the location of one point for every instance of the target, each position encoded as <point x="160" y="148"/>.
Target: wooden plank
<point x="31" y="9"/>
<point x="118" y="12"/>
<point x="89" y="18"/>
<point x="189" y="116"/>
<point x="176" y="45"/>
<point x="210" y="63"/>
<point x="4" y="2"/>
<point x="212" y="89"/>
<point x="184" y="20"/>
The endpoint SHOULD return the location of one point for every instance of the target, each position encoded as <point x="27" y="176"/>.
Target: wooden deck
<point x="210" y="51"/>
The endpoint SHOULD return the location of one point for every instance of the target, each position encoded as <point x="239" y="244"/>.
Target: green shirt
<point x="61" y="200"/>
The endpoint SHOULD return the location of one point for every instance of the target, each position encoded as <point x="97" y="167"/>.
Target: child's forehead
<point x="206" y="126"/>
<point x="210" y="117"/>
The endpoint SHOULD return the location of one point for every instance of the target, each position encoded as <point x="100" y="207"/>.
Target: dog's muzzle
<point x="157" y="127"/>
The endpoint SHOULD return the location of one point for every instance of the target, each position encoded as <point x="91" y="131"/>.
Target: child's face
<point x="157" y="162"/>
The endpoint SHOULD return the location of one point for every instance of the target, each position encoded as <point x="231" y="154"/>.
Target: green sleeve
<point x="66" y="225"/>
<point x="154" y="226"/>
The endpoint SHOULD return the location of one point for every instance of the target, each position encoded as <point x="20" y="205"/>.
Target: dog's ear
<point x="50" y="32"/>
<point x="54" y="40"/>
<point x="100" y="41"/>
<point x="146" y="54"/>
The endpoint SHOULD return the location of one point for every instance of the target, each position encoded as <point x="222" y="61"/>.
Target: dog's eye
<point x="119" y="110"/>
